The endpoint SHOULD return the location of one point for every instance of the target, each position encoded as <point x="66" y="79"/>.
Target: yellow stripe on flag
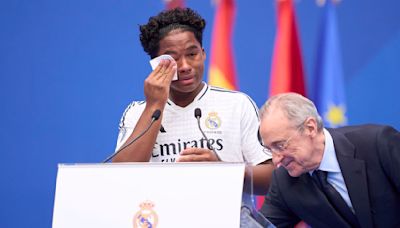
<point x="216" y="77"/>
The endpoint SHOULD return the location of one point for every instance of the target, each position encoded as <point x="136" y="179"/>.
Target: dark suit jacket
<point x="369" y="158"/>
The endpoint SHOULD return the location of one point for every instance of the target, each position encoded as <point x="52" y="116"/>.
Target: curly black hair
<point x="159" y="26"/>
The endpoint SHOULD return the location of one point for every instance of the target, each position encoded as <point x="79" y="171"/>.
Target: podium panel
<point x="156" y="195"/>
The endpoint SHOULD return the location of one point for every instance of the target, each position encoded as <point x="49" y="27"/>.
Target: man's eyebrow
<point x="170" y="52"/>
<point x="277" y="142"/>
<point x="192" y="47"/>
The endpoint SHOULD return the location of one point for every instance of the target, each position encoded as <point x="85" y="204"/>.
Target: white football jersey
<point x="229" y="119"/>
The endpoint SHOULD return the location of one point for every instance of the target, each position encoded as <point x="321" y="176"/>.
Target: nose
<point x="183" y="65"/>
<point x="277" y="158"/>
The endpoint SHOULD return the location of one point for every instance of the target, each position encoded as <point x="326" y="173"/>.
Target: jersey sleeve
<point x="252" y="150"/>
<point x="128" y="121"/>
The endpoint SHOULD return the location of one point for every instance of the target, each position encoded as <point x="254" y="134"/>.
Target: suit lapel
<point x="355" y="178"/>
<point x="312" y="205"/>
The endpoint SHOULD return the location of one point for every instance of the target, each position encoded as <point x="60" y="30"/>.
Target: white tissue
<point x="154" y="63"/>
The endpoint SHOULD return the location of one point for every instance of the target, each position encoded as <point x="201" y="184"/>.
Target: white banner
<point x="159" y="195"/>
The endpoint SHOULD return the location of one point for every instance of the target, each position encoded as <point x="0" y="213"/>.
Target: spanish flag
<point x="222" y="68"/>
<point x="287" y="66"/>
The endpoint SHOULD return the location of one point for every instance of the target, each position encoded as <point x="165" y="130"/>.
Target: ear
<point x="204" y="53"/>
<point x="311" y="126"/>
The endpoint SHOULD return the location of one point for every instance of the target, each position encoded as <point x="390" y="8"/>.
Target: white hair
<point x="296" y="108"/>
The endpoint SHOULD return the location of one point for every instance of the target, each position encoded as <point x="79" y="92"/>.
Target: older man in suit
<point x="344" y="177"/>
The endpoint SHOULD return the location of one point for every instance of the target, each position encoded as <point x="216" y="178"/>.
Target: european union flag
<point x="329" y="95"/>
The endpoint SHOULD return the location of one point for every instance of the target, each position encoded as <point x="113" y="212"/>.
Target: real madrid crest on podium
<point x="146" y="217"/>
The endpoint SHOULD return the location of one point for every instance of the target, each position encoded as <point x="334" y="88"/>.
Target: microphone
<point x="156" y="115"/>
<point x="197" y="114"/>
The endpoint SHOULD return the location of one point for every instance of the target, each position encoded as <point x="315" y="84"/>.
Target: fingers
<point x="165" y="70"/>
<point x="194" y="151"/>
<point x="157" y="84"/>
<point x="196" y="155"/>
<point x="170" y="71"/>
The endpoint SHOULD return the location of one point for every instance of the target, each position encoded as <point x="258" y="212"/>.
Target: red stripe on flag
<point x="222" y="68"/>
<point x="171" y="4"/>
<point x="287" y="66"/>
<point x="287" y="73"/>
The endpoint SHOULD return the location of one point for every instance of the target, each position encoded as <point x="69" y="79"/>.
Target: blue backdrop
<point x="69" y="68"/>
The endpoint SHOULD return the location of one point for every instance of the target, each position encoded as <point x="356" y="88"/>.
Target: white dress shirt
<point x="329" y="163"/>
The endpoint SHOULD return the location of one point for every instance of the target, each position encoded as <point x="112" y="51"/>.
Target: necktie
<point x="334" y="197"/>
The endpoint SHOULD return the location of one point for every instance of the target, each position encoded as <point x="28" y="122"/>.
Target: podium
<point x="157" y="195"/>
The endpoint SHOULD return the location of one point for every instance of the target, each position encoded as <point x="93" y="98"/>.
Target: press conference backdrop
<point x="69" y="68"/>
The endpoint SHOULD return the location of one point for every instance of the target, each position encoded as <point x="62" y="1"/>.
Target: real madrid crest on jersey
<point x="213" y="121"/>
<point x="146" y="217"/>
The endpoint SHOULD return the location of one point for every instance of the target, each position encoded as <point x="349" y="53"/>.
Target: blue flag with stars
<point x="329" y="94"/>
